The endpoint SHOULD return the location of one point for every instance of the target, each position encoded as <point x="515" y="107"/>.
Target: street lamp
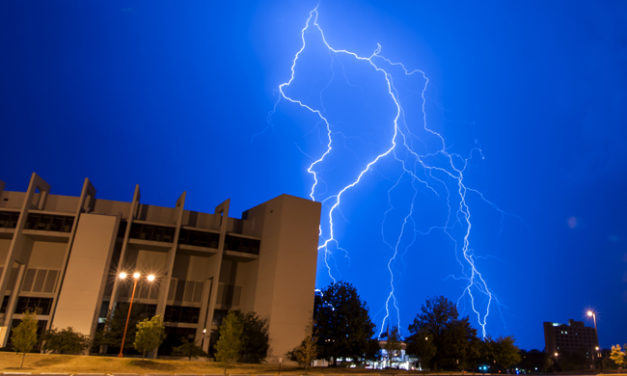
<point x="136" y="277"/>
<point x="592" y="314"/>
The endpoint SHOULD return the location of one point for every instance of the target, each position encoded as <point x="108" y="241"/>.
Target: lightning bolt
<point x="434" y="171"/>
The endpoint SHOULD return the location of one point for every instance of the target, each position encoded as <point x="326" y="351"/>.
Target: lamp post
<point x="591" y="313"/>
<point x="202" y="340"/>
<point x="136" y="277"/>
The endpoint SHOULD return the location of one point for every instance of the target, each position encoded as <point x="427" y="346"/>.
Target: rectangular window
<point x="49" y="222"/>
<point x="152" y="232"/>
<point x="40" y="306"/>
<point x="9" y="219"/>
<point x="199" y="238"/>
<point x="246" y="245"/>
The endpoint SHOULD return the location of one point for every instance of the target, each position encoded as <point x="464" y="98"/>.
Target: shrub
<point x="65" y="341"/>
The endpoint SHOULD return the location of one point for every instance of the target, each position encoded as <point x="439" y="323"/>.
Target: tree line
<point x="342" y="332"/>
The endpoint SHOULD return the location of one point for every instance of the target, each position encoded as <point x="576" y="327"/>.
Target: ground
<point x="78" y="364"/>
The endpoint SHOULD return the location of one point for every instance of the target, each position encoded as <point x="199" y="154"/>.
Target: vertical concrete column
<point x="1" y="188"/>
<point x="223" y="210"/>
<point x="85" y="202"/>
<point x="16" y="252"/>
<point x="167" y="278"/>
<point x="15" y="292"/>
<point x="127" y="233"/>
<point x="202" y="330"/>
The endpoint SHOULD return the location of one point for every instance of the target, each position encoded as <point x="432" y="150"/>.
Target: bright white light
<point x="151" y="277"/>
<point x="122" y="275"/>
<point x="590" y="313"/>
<point x="136" y="275"/>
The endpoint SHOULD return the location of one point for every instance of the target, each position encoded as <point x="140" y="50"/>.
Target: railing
<point x="49" y="222"/>
<point x="199" y="238"/>
<point x="8" y="219"/>
<point x="246" y="245"/>
<point x="152" y="232"/>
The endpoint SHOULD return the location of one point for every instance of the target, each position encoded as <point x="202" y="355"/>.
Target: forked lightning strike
<point x="453" y="169"/>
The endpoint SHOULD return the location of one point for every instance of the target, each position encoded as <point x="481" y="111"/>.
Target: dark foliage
<point x="111" y="334"/>
<point x="188" y="349"/>
<point x="254" y="338"/>
<point x="65" y="341"/>
<point x="342" y="324"/>
<point x="440" y="339"/>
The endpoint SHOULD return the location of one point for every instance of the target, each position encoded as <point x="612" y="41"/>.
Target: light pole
<point x="136" y="277"/>
<point x="592" y="314"/>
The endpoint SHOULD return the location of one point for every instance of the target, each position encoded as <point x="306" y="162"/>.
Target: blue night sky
<point x="180" y="96"/>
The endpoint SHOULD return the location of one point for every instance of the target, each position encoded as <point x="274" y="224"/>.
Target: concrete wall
<point x="61" y="204"/>
<point x="109" y="207"/>
<point x="86" y="273"/>
<point x="12" y="200"/>
<point x="287" y="268"/>
<point x="47" y="254"/>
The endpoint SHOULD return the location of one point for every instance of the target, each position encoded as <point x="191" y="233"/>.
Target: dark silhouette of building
<point x="571" y="338"/>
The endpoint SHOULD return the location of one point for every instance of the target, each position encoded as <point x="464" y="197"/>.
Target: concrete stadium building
<point x="61" y="256"/>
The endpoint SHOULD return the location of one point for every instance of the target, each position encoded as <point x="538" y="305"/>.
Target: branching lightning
<point x="419" y="168"/>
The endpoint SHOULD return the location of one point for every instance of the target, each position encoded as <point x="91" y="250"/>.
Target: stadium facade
<point x="62" y="255"/>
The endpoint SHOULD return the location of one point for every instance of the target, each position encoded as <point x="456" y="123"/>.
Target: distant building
<point x="395" y="359"/>
<point x="61" y="255"/>
<point x="571" y="338"/>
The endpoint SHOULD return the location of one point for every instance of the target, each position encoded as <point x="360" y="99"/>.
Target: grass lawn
<point x="43" y="363"/>
<point x="53" y="363"/>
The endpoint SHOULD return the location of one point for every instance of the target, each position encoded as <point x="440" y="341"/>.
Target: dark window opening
<point x="234" y="243"/>
<point x="40" y="306"/>
<point x="8" y="219"/>
<point x="49" y="222"/>
<point x="152" y="232"/>
<point x="122" y="228"/>
<point x="181" y="314"/>
<point x="199" y="238"/>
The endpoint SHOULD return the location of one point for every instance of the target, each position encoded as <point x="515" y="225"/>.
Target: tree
<point x="254" y="338"/>
<point x="65" y="341"/>
<point x="459" y="345"/>
<point x="188" y="349"/>
<point x="229" y="344"/>
<point x="110" y="336"/>
<point x="24" y="335"/>
<point x="342" y="324"/>
<point x="617" y="356"/>
<point x="150" y="333"/>
<point x="420" y="343"/>
<point x="501" y="354"/>
<point x="306" y="352"/>
<point x="532" y="361"/>
<point x="439" y="338"/>
<point x="373" y="351"/>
